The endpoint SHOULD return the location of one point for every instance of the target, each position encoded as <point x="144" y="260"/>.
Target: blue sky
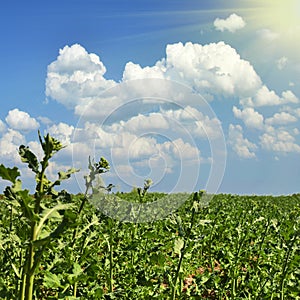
<point x="194" y="94"/>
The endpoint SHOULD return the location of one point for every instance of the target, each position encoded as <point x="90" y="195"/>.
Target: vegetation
<point x="55" y="245"/>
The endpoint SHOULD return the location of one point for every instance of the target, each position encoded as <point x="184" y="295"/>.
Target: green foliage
<point x="220" y="247"/>
<point x="9" y="174"/>
<point x="142" y="192"/>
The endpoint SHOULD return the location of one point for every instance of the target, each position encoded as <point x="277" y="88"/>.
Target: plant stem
<point x="29" y="273"/>
<point x="285" y="266"/>
<point x="111" y="264"/>
<point x="182" y="252"/>
<point x="30" y="270"/>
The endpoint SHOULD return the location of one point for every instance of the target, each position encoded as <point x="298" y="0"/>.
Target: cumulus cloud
<point x="279" y="141"/>
<point x="281" y="118"/>
<point x="289" y="97"/>
<point x="232" y="23"/>
<point x="76" y="76"/>
<point x="195" y="122"/>
<point x="181" y="150"/>
<point x="215" y="67"/>
<point x="265" y="97"/>
<point x="250" y="117"/>
<point x="142" y="123"/>
<point x="77" y="80"/>
<point x="240" y="145"/>
<point x="62" y="132"/>
<point x="21" y="121"/>
<point x="282" y="62"/>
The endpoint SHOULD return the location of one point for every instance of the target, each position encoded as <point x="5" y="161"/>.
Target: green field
<point x="239" y="247"/>
<point x="55" y="245"/>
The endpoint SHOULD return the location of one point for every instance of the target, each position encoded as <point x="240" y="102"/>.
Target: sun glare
<point x="281" y="15"/>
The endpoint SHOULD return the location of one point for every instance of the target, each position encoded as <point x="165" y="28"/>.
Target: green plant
<point x="55" y="245"/>
<point x="34" y="209"/>
<point x="142" y="192"/>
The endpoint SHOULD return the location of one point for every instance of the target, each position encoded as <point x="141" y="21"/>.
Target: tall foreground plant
<point x="44" y="206"/>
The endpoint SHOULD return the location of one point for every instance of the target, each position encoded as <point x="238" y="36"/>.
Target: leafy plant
<point x="55" y="245"/>
<point x="34" y="210"/>
<point x="142" y="192"/>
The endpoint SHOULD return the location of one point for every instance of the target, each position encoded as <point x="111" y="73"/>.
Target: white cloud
<point x="2" y="126"/>
<point x="214" y="68"/>
<point x="265" y="97"/>
<point x="232" y="23"/>
<point x="181" y="150"/>
<point x="62" y="132"/>
<point x="195" y="122"/>
<point x="76" y="76"/>
<point x="76" y="79"/>
<point x="250" y="117"/>
<point x="282" y="62"/>
<point x="9" y="145"/>
<point x="291" y="110"/>
<point x="140" y="147"/>
<point x="21" y="121"/>
<point x="240" y="145"/>
<point x="289" y="97"/>
<point x="142" y="123"/>
<point x="267" y="34"/>
<point x="279" y="141"/>
<point x="282" y="118"/>
<point x="134" y="71"/>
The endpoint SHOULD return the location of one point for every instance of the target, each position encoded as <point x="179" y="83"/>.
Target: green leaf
<point x="77" y="269"/>
<point x="179" y="243"/>
<point x="9" y="174"/>
<point x="25" y="200"/>
<point x="28" y="157"/>
<point x="52" y="280"/>
<point x="103" y="165"/>
<point x="50" y="212"/>
<point x="50" y="145"/>
<point x="66" y="175"/>
<point x="16" y="270"/>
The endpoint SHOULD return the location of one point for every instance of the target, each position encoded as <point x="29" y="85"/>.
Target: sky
<point x="192" y="94"/>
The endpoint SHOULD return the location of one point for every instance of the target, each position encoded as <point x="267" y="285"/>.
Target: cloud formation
<point x="231" y="24"/>
<point x="9" y="144"/>
<point x="21" y="121"/>
<point x="279" y="141"/>
<point x="250" y="117"/>
<point x="265" y="97"/>
<point x="281" y="118"/>
<point x="77" y="80"/>
<point x="76" y="76"/>
<point x="240" y="145"/>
